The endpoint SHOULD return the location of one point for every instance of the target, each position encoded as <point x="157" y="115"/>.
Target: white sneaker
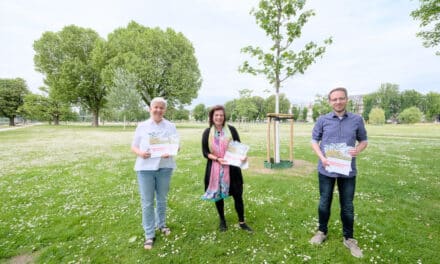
<point x="318" y="238"/>
<point x="351" y="243"/>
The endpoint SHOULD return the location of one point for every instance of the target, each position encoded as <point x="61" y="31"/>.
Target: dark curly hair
<point x="211" y="114"/>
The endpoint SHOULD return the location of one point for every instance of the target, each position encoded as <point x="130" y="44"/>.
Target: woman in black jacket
<point x="222" y="180"/>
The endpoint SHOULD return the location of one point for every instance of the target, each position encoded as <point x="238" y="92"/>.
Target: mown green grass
<point x="69" y="195"/>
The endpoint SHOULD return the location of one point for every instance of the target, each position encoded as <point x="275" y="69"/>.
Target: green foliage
<point x="376" y="116"/>
<point x="282" y="22"/>
<point x="429" y="16"/>
<point x="42" y="108"/>
<point x="179" y="114"/>
<point x="72" y="60"/>
<point x="387" y="97"/>
<point x="410" y="115"/>
<point x="245" y="107"/>
<point x="200" y="113"/>
<point x="369" y="101"/>
<point x="433" y="106"/>
<point x="72" y="196"/>
<point x="295" y="112"/>
<point x="230" y="107"/>
<point x="123" y="100"/>
<point x="284" y="104"/>
<point x="12" y="93"/>
<point x="304" y="113"/>
<point x="163" y="62"/>
<point x="259" y="104"/>
<point x="320" y="106"/>
<point x="410" y="98"/>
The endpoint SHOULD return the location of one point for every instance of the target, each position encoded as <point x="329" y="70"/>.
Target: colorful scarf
<point x="219" y="179"/>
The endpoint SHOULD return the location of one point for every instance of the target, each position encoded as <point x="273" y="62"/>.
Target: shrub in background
<point x="410" y="115"/>
<point x="376" y="116"/>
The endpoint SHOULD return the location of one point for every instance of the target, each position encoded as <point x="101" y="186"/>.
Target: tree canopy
<point x="200" y="112"/>
<point x="12" y="93"/>
<point x="283" y="23"/>
<point x="162" y="61"/>
<point x="433" y="106"/>
<point x="429" y="16"/>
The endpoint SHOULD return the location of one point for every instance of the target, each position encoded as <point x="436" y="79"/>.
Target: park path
<point x="16" y="127"/>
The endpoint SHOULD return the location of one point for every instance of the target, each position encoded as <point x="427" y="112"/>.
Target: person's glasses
<point x="341" y="99"/>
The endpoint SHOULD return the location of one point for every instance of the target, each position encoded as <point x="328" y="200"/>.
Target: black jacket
<point x="236" y="178"/>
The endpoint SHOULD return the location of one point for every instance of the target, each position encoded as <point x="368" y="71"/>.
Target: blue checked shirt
<point x="330" y="128"/>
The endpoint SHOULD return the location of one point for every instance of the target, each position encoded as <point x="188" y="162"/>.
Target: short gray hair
<point x="158" y="100"/>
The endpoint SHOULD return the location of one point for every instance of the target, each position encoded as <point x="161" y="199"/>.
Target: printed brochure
<point x="339" y="158"/>
<point x="235" y="153"/>
<point x="159" y="146"/>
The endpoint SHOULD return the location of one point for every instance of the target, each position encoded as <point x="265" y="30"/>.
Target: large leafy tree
<point x="72" y="60"/>
<point x="12" y="93"/>
<point x="162" y="61"/>
<point x="429" y="16"/>
<point x="282" y="20"/>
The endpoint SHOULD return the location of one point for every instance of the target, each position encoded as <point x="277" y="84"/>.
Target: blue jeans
<point x="346" y="188"/>
<point x="154" y="183"/>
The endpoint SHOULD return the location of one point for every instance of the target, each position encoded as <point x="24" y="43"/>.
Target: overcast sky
<point x="374" y="42"/>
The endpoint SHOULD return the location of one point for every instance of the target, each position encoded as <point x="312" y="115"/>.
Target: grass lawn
<point x="69" y="195"/>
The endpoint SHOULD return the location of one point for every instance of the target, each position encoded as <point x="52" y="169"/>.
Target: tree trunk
<point x="95" y="118"/>
<point x="56" y="120"/>
<point x="277" y="128"/>
<point x="11" y="121"/>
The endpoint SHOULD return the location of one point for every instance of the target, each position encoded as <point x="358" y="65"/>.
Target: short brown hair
<point x="342" y="89"/>
<point x="211" y="114"/>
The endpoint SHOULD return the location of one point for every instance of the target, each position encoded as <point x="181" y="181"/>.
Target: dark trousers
<point x="346" y="188"/>
<point x="239" y="207"/>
